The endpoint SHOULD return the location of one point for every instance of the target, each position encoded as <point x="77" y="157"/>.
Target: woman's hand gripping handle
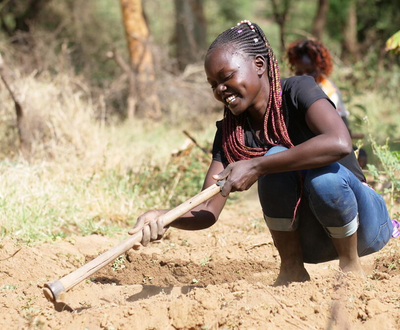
<point x="155" y="223"/>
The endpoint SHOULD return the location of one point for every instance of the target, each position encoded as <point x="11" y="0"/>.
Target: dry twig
<point x="9" y="257"/>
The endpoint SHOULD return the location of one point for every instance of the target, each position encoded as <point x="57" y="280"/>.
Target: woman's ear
<point x="261" y="64"/>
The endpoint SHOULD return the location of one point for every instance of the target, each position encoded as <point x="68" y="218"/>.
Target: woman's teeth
<point x="231" y="98"/>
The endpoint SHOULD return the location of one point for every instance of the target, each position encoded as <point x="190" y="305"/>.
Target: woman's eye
<point x="228" y="76"/>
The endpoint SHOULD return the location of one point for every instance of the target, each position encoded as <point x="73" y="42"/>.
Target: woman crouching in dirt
<point x="287" y="136"/>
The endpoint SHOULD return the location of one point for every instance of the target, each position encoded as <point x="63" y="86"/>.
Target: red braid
<point x="275" y="130"/>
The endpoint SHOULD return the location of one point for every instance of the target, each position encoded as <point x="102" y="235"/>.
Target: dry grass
<point x="89" y="171"/>
<point x="85" y="174"/>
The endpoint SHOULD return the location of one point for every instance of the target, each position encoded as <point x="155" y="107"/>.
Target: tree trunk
<point x="320" y="18"/>
<point x="6" y="76"/>
<point x="350" y="46"/>
<point x="190" y="31"/>
<point x="281" y="13"/>
<point x="141" y="58"/>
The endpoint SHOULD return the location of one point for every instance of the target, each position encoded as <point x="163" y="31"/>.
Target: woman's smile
<point x="234" y="79"/>
<point x="230" y="99"/>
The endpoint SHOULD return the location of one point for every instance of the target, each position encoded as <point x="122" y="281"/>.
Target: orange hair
<point x="315" y="50"/>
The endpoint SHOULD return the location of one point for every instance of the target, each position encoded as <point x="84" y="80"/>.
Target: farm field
<point x="219" y="278"/>
<point x="107" y="112"/>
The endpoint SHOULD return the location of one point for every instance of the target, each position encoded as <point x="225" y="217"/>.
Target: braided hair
<point x="249" y="39"/>
<point x="315" y="50"/>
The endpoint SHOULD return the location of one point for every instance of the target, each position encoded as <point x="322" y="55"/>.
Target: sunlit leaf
<point x="393" y="43"/>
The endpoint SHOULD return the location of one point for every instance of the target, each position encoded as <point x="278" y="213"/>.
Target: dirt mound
<point x="219" y="278"/>
<point x="154" y="270"/>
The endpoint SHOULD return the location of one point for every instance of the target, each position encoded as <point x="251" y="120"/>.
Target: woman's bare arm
<point x="203" y="216"/>
<point x="331" y="143"/>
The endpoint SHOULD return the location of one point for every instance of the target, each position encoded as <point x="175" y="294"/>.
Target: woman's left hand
<point x="239" y="176"/>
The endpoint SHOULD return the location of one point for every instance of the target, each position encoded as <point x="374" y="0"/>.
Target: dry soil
<point x="219" y="278"/>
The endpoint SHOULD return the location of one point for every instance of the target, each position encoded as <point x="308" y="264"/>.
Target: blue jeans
<point x="334" y="204"/>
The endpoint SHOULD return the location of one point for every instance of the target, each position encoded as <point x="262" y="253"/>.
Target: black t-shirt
<point x="298" y="93"/>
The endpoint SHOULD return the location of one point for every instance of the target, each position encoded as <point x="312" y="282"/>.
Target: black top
<point x="298" y="93"/>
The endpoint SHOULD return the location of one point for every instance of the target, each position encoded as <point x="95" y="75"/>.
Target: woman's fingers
<point x="138" y="226"/>
<point x="146" y="236"/>
<point x="227" y="188"/>
<point x="153" y="230"/>
<point x="223" y="175"/>
<point x="151" y="226"/>
<point x="160" y="228"/>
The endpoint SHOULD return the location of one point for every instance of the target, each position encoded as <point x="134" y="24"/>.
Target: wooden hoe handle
<point x="52" y="290"/>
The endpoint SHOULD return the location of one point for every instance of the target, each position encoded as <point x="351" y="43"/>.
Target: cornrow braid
<point x="315" y="50"/>
<point x="249" y="39"/>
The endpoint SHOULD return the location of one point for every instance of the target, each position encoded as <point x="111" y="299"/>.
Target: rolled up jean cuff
<point x="281" y="224"/>
<point x="345" y="231"/>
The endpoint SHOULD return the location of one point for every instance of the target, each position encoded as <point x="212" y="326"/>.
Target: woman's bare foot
<point x="349" y="260"/>
<point x="292" y="266"/>
<point x="291" y="274"/>
<point x="353" y="267"/>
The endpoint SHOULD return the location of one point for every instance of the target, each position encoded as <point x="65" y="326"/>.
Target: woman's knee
<point x="278" y="183"/>
<point x="332" y="200"/>
<point x="325" y="180"/>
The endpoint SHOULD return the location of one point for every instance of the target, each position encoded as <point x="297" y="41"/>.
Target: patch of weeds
<point x="92" y="227"/>
<point x="389" y="171"/>
<point x="185" y="242"/>
<point x="85" y="305"/>
<point x="119" y="263"/>
<point x="238" y="294"/>
<point x="9" y="287"/>
<point x="3" y="231"/>
<point x="57" y="236"/>
<point x="28" y="305"/>
<point x="392" y="264"/>
<point x="180" y="178"/>
<point x="257" y="224"/>
<point x="31" y="316"/>
<point x="147" y="279"/>
<point x="379" y="276"/>
<point x="205" y="261"/>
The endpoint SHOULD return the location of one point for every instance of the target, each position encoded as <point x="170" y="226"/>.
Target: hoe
<point x="55" y="290"/>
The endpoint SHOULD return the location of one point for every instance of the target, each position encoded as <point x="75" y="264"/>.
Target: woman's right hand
<point x="151" y="225"/>
<point x="238" y="176"/>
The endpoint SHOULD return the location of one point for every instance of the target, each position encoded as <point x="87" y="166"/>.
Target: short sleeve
<point x="217" y="151"/>
<point x="302" y="92"/>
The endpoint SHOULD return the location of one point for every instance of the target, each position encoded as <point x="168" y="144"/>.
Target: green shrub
<point x="388" y="176"/>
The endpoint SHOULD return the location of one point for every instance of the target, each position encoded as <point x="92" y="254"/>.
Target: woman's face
<point x="305" y="66"/>
<point x="235" y="79"/>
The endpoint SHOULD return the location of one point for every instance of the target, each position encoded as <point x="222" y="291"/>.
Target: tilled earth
<point x="219" y="278"/>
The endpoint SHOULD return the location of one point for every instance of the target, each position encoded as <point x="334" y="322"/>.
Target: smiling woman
<point x="244" y="76"/>
<point x="287" y="136"/>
